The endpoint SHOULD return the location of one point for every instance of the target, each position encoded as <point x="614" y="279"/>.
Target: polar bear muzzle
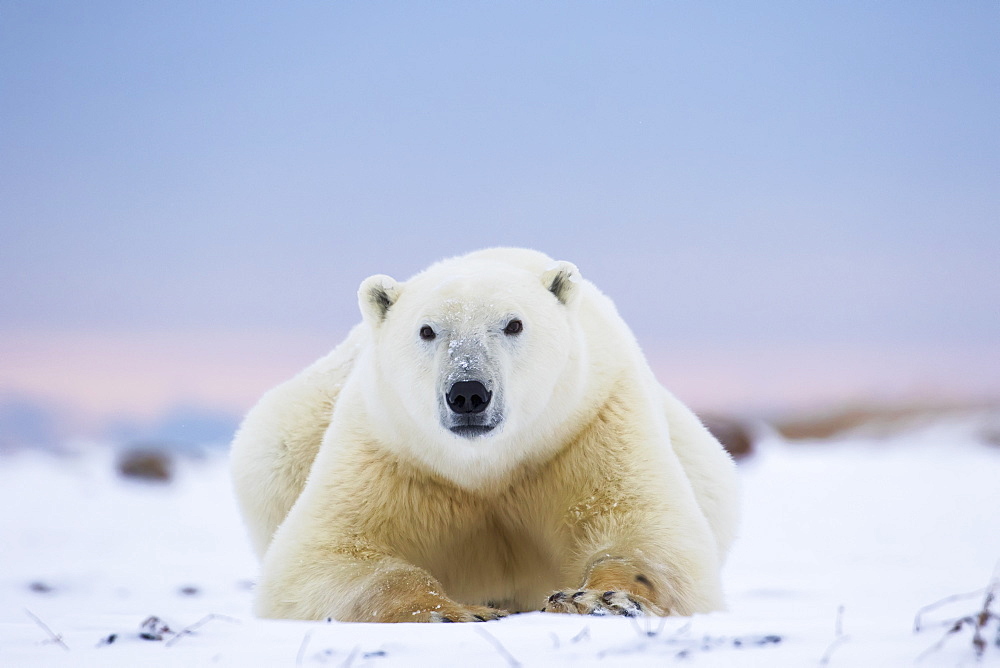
<point x="467" y="401"/>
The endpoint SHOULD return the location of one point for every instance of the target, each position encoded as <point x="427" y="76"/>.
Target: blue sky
<point x="744" y="179"/>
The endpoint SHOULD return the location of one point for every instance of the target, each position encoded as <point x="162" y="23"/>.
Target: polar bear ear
<point x="561" y="280"/>
<point x="376" y="296"/>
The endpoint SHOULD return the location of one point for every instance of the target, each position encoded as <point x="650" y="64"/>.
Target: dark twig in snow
<point x="511" y="661"/>
<point x="838" y="638"/>
<point x="979" y="621"/>
<point x="154" y="628"/>
<point x="107" y="640"/>
<point x="53" y="637"/>
<point x="197" y="625"/>
<point x="917" y="621"/>
<point x="687" y="645"/>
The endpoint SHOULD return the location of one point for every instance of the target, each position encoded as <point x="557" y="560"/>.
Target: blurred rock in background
<point x="875" y="420"/>
<point x="147" y="463"/>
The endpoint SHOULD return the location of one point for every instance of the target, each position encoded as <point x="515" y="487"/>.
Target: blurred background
<point x="795" y="205"/>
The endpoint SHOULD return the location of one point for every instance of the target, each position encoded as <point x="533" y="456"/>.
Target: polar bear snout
<point x="469" y="410"/>
<point x="468" y="396"/>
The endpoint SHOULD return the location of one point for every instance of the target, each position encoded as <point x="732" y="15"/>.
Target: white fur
<point x="351" y="484"/>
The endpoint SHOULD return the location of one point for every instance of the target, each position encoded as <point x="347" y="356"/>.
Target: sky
<point x="792" y="203"/>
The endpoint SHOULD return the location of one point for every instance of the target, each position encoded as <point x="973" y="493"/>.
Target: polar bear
<point x="489" y="439"/>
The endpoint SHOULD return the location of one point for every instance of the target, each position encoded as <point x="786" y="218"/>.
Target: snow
<point x="864" y="530"/>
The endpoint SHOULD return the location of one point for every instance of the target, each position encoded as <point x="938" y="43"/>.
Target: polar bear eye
<point x="426" y="333"/>
<point x="513" y="327"/>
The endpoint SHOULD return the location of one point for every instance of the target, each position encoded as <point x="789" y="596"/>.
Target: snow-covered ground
<point x="860" y="532"/>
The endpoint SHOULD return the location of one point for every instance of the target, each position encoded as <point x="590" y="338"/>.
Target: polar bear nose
<point x="468" y="396"/>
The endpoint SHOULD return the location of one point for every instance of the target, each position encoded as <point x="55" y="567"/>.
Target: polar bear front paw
<point x="461" y="613"/>
<point x="594" y="602"/>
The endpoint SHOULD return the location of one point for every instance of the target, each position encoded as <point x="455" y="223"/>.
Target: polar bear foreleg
<point x="404" y="593"/>
<point x="365" y="589"/>
<point x="637" y="582"/>
<point x="612" y="586"/>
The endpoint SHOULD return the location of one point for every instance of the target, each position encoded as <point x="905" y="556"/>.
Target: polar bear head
<point x="476" y="363"/>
